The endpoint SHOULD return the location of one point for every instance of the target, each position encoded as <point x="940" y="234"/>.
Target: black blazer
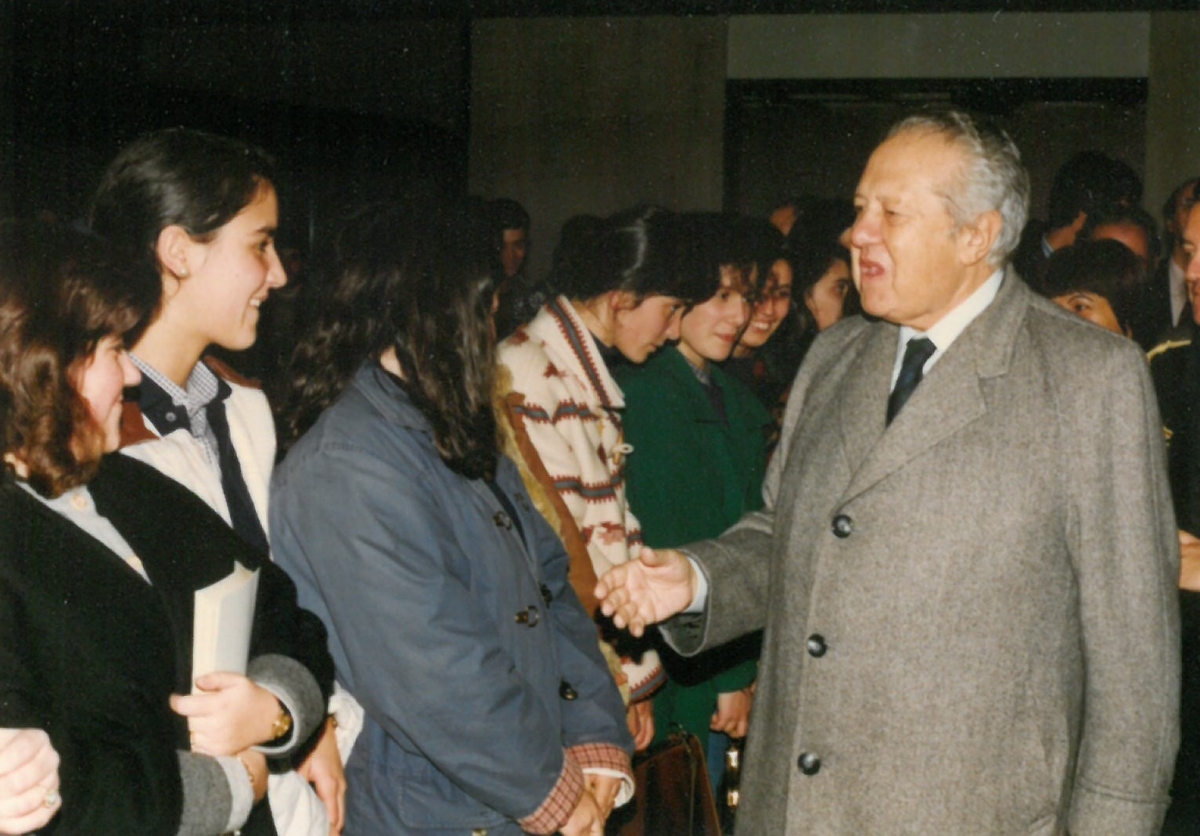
<point x="90" y="652"/>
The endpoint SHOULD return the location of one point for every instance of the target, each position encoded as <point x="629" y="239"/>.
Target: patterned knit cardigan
<point x="564" y="429"/>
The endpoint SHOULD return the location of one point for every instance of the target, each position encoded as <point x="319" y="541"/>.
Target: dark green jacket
<point x="689" y="478"/>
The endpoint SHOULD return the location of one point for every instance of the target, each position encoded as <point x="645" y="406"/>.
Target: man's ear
<point x="975" y="238"/>
<point x="174" y="249"/>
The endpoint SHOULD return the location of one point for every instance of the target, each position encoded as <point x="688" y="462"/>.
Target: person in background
<point x="1175" y="369"/>
<point x="97" y="594"/>
<point x="1130" y="225"/>
<point x="518" y="297"/>
<point x="1087" y="183"/>
<point x="1165" y="304"/>
<point x="29" y="795"/>
<point x="699" y="441"/>
<point x="620" y="301"/>
<point x="1100" y="281"/>
<point x="197" y="215"/>
<point x="764" y="245"/>
<point x="410" y="534"/>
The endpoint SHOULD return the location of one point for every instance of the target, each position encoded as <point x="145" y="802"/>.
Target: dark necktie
<point x="918" y="350"/>
<point x="242" y="515"/>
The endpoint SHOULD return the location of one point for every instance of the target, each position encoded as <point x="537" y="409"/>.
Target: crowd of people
<point x="925" y="560"/>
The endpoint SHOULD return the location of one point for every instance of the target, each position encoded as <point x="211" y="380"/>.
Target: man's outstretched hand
<point x="647" y="590"/>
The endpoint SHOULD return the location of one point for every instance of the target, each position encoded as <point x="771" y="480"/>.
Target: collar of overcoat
<point x="949" y="398"/>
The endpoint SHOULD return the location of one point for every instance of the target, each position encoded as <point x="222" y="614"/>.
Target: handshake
<point x="648" y="590"/>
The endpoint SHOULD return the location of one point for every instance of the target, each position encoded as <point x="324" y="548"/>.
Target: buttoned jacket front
<point x="451" y="621"/>
<point x="971" y="618"/>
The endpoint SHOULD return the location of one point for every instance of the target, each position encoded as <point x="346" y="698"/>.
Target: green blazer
<point x="690" y="477"/>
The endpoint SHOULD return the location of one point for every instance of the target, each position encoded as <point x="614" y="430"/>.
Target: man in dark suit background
<point x="1088" y="182"/>
<point x="1175" y="367"/>
<point x="966" y="564"/>
<point x="1166" y="301"/>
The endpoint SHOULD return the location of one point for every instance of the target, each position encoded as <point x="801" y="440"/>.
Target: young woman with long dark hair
<point x="488" y="704"/>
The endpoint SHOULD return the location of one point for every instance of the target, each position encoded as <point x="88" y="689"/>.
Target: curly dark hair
<point x="418" y="282"/>
<point x="59" y="296"/>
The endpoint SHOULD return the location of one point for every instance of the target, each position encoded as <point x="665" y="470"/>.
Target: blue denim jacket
<point x="453" y="624"/>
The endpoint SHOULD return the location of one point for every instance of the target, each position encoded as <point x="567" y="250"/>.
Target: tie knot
<point x="917" y="352"/>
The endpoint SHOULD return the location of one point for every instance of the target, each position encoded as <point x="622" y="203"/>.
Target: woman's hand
<point x="733" y="713"/>
<point x="229" y="714"/>
<point x="323" y="769"/>
<point x="586" y="819"/>
<point x="256" y="768"/>
<point x="604" y="789"/>
<point x="28" y="780"/>
<point x="640" y="717"/>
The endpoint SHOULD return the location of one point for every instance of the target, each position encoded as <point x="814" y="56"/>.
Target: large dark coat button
<point x="816" y="645"/>
<point x="566" y="691"/>
<point x="502" y="521"/>
<point x="529" y="616"/>
<point x="546" y="596"/>
<point x="842" y="526"/>
<point x="809" y="763"/>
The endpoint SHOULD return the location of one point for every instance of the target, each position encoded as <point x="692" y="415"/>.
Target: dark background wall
<point x="692" y="105"/>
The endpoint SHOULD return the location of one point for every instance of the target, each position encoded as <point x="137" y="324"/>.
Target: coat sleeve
<point x="369" y="539"/>
<point x="1124" y="549"/>
<point x="596" y="714"/>
<point x="115" y="777"/>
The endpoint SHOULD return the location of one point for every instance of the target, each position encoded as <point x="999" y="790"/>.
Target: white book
<point x="222" y="623"/>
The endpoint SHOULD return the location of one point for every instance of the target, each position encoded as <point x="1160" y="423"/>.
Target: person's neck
<point x="170" y="353"/>
<point x="595" y="316"/>
<point x="692" y="357"/>
<point x="390" y="363"/>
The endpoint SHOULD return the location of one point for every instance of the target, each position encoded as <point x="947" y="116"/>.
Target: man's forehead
<point x="909" y="162"/>
<point x="1191" y="226"/>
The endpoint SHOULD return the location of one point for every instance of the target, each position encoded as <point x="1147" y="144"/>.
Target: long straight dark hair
<point x="420" y="282"/>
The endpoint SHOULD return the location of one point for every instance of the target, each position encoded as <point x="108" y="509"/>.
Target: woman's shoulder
<point x="664" y="375"/>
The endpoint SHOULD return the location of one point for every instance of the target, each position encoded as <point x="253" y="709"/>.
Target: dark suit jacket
<point x="1175" y="367"/>
<point x="970" y="614"/>
<point x="1152" y="320"/>
<point x="90" y="652"/>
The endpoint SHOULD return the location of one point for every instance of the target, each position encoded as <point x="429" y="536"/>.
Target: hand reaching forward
<point x="647" y="590"/>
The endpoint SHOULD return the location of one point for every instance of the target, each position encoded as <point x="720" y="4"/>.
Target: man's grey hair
<point x="993" y="177"/>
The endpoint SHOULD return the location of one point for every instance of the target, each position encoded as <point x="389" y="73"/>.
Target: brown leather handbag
<point x="673" y="795"/>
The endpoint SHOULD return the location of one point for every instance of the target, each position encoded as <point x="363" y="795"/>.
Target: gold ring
<point x="51" y="800"/>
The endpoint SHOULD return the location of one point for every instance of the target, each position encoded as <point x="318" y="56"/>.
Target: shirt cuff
<point x="606" y="759"/>
<point x="560" y="803"/>
<point x="701" y="597"/>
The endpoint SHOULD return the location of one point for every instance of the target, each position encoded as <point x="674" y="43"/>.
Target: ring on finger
<point x="51" y="799"/>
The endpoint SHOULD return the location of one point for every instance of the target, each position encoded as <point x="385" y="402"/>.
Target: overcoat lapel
<point x="947" y="400"/>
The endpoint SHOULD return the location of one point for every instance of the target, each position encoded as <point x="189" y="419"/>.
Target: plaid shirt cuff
<point x="606" y="759"/>
<point x="560" y="803"/>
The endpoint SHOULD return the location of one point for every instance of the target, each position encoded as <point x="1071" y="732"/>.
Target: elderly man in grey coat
<point x="967" y="585"/>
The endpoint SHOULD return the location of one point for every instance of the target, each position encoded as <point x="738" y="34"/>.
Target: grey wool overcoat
<point x="971" y="618"/>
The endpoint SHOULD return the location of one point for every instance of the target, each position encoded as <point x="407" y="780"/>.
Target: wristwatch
<point x="283" y="723"/>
